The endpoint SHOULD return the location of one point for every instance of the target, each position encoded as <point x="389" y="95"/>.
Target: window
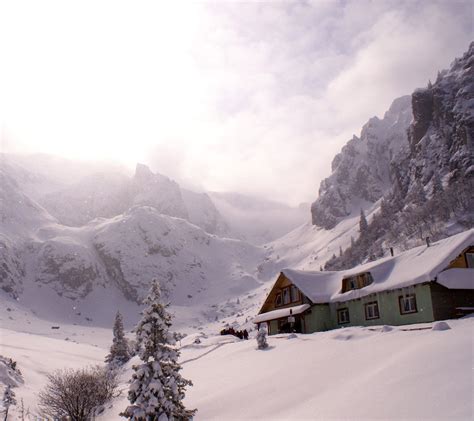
<point x="343" y="316"/>
<point x="278" y="301"/>
<point x="372" y="310"/>
<point x="407" y="304"/>
<point x="470" y="260"/>
<point x="295" y="294"/>
<point x="360" y="280"/>
<point x="287" y="295"/>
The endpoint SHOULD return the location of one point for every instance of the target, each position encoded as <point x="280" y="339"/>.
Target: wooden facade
<point x="284" y="294"/>
<point x="464" y="260"/>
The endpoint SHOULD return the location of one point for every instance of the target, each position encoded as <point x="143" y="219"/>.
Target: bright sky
<point x="255" y="97"/>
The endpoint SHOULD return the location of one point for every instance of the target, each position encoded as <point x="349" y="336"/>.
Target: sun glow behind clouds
<point x="255" y="97"/>
<point x="99" y="79"/>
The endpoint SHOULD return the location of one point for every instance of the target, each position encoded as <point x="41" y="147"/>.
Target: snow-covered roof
<point x="457" y="278"/>
<point x="415" y="266"/>
<point x="278" y="314"/>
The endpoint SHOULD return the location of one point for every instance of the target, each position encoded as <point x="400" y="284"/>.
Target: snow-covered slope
<point x="408" y="373"/>
<point x="122" y="255"/>
<point x="309" y="247"/>
<point x="194" y="265"/>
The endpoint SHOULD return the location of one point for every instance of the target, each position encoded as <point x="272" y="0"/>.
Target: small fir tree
<point x="262" y="337"/>
<point x="157" y="388"/>
<point x="119" y="351"/>
<point x="8" y="400"/>
<point x="363" y="226"/>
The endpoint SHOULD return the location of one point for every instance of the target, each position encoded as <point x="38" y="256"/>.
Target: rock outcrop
<point x="361" y="171"/>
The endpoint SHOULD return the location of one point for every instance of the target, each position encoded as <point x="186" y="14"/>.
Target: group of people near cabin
<point x="241" y="334"/>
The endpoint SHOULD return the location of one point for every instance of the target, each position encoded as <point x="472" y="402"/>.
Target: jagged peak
<point x="399" y="105"/>
<point x="143" y="171"/>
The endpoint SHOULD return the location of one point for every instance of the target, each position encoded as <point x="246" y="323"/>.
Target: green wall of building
<point x="273" y="327"/>
<point x="322" y="317"/>
<point x="389" y="310"/>
<point x="319" y="319"/>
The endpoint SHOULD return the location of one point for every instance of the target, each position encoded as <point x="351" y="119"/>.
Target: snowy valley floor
<point x="350" y="373"/>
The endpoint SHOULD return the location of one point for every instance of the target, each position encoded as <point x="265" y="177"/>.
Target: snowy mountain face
<point x="411" y="172"/>
<point x="441" y="136"/>
<point x="431" y="178"/>
<point x="361" y="171"/>
<point x="109" y="236"/>
<point x="404" y="152"/>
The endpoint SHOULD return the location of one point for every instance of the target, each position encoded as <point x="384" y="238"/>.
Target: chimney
<point x="391" y="251"/>
<point x="428" y="241"/>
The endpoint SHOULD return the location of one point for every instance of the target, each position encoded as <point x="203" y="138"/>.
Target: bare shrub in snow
<point x="119" y="351"/>
<point x="157" y="388"/>
<point x="77" y="394"/>
<point x="262" y="337"/>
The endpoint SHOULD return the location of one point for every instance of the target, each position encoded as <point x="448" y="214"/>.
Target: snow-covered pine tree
<point x="262" y="337"/>
<point x="8" y="400"/>
<point x="157" y="388"/>
<point x="119" y="351"/>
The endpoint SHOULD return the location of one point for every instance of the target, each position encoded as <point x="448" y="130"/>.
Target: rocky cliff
<point x="431" y="188"/>
<point x="361" y="171"/>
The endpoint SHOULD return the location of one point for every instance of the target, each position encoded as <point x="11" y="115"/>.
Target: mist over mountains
<point x="77" y="235"/>
<point x="104" y="235"/>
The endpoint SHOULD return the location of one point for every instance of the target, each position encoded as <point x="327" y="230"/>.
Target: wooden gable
<point x="283" y="294"/>
<point x="463" y="261"/>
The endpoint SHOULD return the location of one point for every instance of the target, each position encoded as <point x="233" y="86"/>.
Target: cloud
<point x="253" y="97"/>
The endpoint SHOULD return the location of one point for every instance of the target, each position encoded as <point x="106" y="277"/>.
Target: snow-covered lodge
<point x="424" y="284"/>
